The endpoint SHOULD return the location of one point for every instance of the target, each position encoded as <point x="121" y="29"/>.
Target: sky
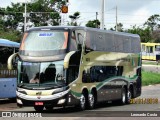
<point x="129" y="12"/>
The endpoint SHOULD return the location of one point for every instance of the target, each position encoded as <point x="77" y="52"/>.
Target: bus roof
<point x="81" y="27"/>
<point x="8" y="43"/>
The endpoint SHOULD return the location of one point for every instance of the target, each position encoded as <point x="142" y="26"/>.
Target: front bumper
<point x="58" y="99"/>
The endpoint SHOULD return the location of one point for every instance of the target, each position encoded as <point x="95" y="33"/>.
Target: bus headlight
<point x="19" y="101"/>
<point x="61" y="101"/>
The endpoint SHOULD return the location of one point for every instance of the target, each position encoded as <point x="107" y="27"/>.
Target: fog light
<point x="19" y="101"/>
<point x="61" y="101"/>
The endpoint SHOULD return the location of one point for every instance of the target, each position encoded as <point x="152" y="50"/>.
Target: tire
<point x="91" y="101"/>
<point x="123" y="96"/>
<point x="82" y="102"/>
<point x="49" y="108"/>
<point x="39" y="108"/>
<point x="129" y="96"/>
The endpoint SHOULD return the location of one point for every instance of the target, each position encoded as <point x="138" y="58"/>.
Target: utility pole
<point x="25" y="15"/>
<point x="102" y="14"/>
<point x="116" y="20"/>
<point x="96" y="19"/>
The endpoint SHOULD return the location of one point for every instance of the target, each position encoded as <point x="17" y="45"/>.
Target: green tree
<point x="144" y="33"/>
<point x="156" y="36"/>
<point x="74" y="19"/>
<point x="93" y="23"/>
<point x="119" y="27"/>
<point x="42" y="13"/>
<point x="152" y="22"/>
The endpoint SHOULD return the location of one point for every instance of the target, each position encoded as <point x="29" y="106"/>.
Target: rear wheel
<point x="39" y="108"/>
<point x="91" y="100"/>
<point x="82" y="102"/>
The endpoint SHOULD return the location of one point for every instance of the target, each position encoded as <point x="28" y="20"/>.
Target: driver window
<point x="73" y="42"/>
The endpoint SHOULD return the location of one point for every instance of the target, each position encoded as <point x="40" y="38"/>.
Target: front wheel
<point x="124" y="96"/>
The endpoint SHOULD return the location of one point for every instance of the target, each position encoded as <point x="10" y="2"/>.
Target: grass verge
<point x="149" y="78"/>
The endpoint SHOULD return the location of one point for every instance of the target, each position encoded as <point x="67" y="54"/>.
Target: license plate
<point x="38" y="103"/>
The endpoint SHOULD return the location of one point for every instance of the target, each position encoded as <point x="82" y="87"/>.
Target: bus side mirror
<point x="11" y="62"/>
<point x="67" y="59"/>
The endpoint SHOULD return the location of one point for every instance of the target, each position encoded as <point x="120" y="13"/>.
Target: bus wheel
<point x="129" y="96"/>
<point x="124" y="96"/>
<point x="91" y="101"/>
<point x="39" y="108"/>
<point x="49" y="108"/>
<point x="82" y="104"/>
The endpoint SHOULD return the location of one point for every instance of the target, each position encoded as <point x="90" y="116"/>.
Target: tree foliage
<point x="41" y="13"/>
<point x="119" y="27"/>
<point x="144" y="33"/>
<point x="74" y="19"/>
<point x="93" y="23"/>
<point x="152" y="22"/>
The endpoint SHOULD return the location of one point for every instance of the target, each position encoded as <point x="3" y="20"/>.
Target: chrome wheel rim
<point x="91" y="100"/>
<point x="129" y="96"/>
<point x="123" y="98"/>
<point x="82" y="101"/>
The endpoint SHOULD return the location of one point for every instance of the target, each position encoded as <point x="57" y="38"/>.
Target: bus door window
<point x="75" y="45"/>
<point x="89" y="44"/>
<point x="79" y="40"/>
<point x="73" y="42"/>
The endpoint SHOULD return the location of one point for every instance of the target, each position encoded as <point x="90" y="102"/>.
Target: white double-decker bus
<point x="63" y="66"/>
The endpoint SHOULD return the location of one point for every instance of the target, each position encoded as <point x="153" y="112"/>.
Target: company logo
<point x="39" y="93"/>
<point x="6" y="114"/>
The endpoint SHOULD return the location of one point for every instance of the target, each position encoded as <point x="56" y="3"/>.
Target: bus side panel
<point x="8" y="87"/>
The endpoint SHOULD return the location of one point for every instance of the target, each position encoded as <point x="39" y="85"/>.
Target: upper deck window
<point x="44" y="40"/>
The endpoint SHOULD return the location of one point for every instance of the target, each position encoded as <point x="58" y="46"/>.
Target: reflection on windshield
<point x="42" y="73"/>
<point x="44" y="40"/>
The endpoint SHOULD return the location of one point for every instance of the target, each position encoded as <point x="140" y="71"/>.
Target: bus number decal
<point x="45" y="34"/>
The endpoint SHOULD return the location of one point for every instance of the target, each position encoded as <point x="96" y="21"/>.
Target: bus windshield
<point x="38" y="73"/>
<point x="43" y="40"/>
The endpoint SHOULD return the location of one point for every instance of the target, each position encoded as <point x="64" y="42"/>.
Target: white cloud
<point x="137" y="18"/>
